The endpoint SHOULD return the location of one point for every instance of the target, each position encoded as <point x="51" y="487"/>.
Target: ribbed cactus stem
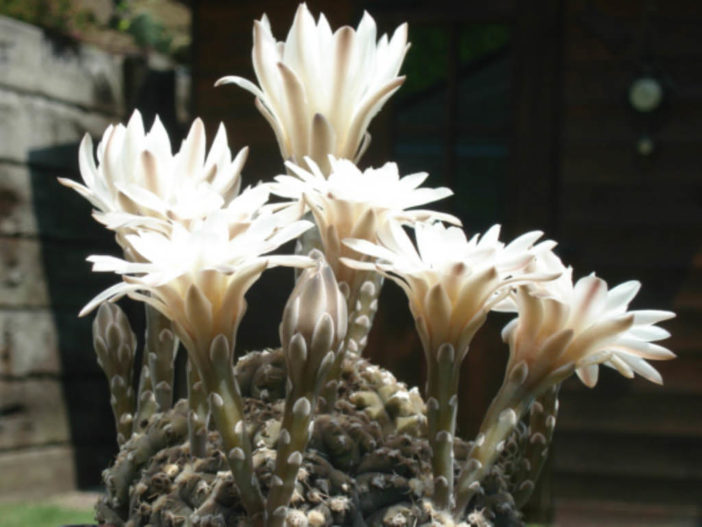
<point x="122" y="403"/>
<point x="300" y="403"/>
<point x="146" y="403"/>
<point x="312" y="332"/>
<point x="542" y="422"/>
<point x="216" y="368"/>
<point x="121" y="477"/>
<point x="197" y="414"/>
<point x="505" y="410"/>
<point x="362" y="305"/>
<point x="160" y="347"/>
<point x="442" y="405"/>
<point x="295" y="433"/>
<point x="115" y="346"/>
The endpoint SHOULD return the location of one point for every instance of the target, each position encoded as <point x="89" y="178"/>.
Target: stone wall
<point x="55" y="426"/>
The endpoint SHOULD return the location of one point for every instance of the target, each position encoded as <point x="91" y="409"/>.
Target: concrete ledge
<point x="34" y="414"/>
<point x="28" y="343"/>
<point x="30" y="124"/>
<point x="36" y="472"/>
<point x="68" y="71"/>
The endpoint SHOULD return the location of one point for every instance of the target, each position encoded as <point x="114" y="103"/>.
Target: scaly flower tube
<point x="452" y="284"/>
<point x="197" y="278"/>
<point x="319" y="90"/>
<point x="563" y="328"/>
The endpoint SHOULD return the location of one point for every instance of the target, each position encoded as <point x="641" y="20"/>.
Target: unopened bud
<point x="114" y="341"/>
<point x="316" y="297"/>
<point x="315" y="293"/>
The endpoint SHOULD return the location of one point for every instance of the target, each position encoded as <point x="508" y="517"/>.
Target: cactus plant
<point x="311" y="433"/>
<point x="368" y="460"/>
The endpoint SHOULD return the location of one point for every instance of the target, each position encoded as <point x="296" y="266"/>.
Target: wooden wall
<point x="629" y="216"/>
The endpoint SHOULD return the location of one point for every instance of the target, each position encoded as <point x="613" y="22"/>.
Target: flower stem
<point x="442" y="404"/>
<point x="160" y="347"/>
<point x="362" y="304"/>
<point x="215" y="364"/>
<point x="122" y="402"/>
<point x="542" y="421"/>
<point x="503" y="414"/>
<point x="197" y="413"/>
<point x="146" y="401"/>
<point x="295" y="433"/>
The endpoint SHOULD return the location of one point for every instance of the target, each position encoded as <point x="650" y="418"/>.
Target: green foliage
<point x="145" y="29"/>
<point x="427" y="60"/>
<point x="66" y="17"/>
<point x="26" y="514"/>
<point x="477" y="40"/>
<point x="59" y="15"/>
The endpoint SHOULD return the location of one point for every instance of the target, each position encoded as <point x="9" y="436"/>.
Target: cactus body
<point x="368" y="461"/>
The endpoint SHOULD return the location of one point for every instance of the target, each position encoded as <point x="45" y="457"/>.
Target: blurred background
<point x="582" y="118"/>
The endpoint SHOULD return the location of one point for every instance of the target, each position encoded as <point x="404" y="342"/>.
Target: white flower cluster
<point x="194" y="243"/>
<point x="188" y="235"/>
<point x="181" y="219"/>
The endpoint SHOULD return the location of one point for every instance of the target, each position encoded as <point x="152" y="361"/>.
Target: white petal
<point x="619" y="297"/>
<point x="588" y="374"/>
<point x="242" y="83"/>
<point x="651" y="316"/>
<point x="371" y="249"/>
<point x="649" y="333"/>
<point x="110" y="294"/>
<point x="642" y="367"/>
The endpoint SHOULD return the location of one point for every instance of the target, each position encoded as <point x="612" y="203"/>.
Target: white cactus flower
<point x="139" y="181"/>
<point x="451" y="282"/>
<point x="319" y="90"/>
<point x="351" y="203"/>
<point x="197" y="277"/>
<point x="564" y="327"/>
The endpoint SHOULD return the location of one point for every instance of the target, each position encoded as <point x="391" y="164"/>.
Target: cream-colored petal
<point x="242" y="83"/>
<point x="437" y="308"/>
<point x="362" y="116"/>
<point x="597" y="336"/>
<point x="619" y="297"/>
<point x="110" y="294"/>
<point x="588" y="374"/>
<point x="643" y="368"/>
<point x="322" y="140"/>
<point x="651" y="316"/>
<point x="648" y="333"/>
<point x="295" y="110"/>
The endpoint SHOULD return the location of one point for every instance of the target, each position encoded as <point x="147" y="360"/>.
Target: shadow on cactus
<point x="311" y="433"/>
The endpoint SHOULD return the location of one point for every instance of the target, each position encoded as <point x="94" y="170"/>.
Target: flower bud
<point x="316" y="311"/>
<point x="114" y="341"/>
<point x="315" y="293"/>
